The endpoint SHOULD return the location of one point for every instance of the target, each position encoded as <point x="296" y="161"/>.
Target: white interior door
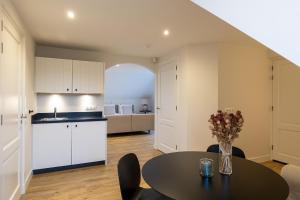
<point x="286" y="120"/>
<point x="10" y="101"/>
<point x="167" y="107"/>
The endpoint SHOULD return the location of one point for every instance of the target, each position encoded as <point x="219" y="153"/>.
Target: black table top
<point x="177" y="176"/>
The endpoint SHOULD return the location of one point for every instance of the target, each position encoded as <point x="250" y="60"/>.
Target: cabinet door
<point x="88" y="77"/>
<point x="88" y="142"/>
<point x="53" y="75"/>
<point x="51" y="145"/>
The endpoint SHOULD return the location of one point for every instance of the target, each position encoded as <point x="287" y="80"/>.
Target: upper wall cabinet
<point x="69" y="76"/>
<point x="88" y="77"/>
<point x="53" y="75"/>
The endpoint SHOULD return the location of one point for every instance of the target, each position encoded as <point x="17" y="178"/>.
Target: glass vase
<point x="225" y="158"/>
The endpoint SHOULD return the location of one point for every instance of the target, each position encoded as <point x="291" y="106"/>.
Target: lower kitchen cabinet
<point x="88" y="142"/>
<point x="58" y="145"/>
<point x="51" y="145"/>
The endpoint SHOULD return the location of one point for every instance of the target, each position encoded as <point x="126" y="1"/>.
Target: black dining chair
<point x="130" y="179"/>
<point x="235" y="151"/>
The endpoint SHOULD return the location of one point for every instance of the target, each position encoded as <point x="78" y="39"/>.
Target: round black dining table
<point x="177" y="175"/>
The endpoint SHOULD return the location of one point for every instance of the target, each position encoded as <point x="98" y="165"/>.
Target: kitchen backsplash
<point x="69" y="103"/>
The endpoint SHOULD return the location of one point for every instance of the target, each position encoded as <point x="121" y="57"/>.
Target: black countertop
<point x="62" y="117"/>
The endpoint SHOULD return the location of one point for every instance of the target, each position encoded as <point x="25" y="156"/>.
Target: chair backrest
<point x="129" y="175"/>
<point x="291" y="174"/>
<point x="109" y="109"/>
<point x="126" y="109"/>
<point x="235" y="151"/>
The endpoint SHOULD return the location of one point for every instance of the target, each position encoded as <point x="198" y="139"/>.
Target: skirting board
<point x="27" y="181"/>
<point x="55" y="169"/>
<point x="25" y="185"/>
<point x="260" y="159"/>
<point x="16" y="195"/>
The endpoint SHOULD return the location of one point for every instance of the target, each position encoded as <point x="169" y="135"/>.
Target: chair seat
<point x="148" y="194"/>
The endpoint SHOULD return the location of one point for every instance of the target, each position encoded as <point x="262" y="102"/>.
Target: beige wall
<point x="225" y="76"/>
<point x="202" y="93"/>
<point x="245" y="84"/>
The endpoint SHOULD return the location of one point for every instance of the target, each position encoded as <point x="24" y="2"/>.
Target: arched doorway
<point x="129" y="99"/>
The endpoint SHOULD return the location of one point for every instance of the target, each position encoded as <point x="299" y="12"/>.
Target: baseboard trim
<point x="55" y="169"/>
<point x="260" y="159"/>
<point x="16" y="195"/>
<point x="27" y="180"/>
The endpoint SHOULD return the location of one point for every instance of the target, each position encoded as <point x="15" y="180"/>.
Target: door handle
<point x="23" y="116"/>
<point x="1" y="120"/>
<point x="157" y="108"/>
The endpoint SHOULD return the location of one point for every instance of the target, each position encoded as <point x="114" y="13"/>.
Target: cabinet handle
<point x="1" y="120"/>
<point x="75" y="90"/>
<point x="67" y="126"/>
<point x="67" y="89"/>
<point x="76" y="125"/>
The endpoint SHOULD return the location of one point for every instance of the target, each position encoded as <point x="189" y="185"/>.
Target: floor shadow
<point x="130" y="133"/>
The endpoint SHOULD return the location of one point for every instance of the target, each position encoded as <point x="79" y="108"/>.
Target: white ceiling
<point x="130" y="27"/>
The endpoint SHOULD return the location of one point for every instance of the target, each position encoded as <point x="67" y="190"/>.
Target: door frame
<point x="24" y="119"/>
<point x="157" y="103"/>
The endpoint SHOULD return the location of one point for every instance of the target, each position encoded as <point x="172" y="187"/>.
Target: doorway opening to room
<point x="129" y="100"/>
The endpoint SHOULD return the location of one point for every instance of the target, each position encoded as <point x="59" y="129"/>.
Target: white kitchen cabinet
<point x="53" y="75"/>
<point x="88" y="77"/>
<point x="69" y="76"/>
<point x="51" y="145"/>
<point x="88" y="142"/>
<point x="65" y="144"/>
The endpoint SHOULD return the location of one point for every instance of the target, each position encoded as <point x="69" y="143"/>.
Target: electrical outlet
<point x="91" y="108"/>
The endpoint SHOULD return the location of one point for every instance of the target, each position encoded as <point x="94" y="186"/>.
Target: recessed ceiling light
<point x="71" y="14"/>
<point x="166" y="32"/>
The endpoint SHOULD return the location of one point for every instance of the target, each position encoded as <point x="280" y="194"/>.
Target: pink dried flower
<point x="226" y="126"/>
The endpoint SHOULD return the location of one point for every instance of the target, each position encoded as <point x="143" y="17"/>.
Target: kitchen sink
<point x="54" y="119"/>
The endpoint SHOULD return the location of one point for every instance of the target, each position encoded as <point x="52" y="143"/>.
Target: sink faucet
<point x="55" y="112"/>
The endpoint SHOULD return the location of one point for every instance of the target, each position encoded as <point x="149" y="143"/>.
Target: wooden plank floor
<point x="99" y="182"/>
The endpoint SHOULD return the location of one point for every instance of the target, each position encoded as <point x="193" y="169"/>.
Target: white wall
<point x="69" y="103"/>
<point x="245" y="84"/>
<point x="273" y="23"/>
<point x="129" y="84"/>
